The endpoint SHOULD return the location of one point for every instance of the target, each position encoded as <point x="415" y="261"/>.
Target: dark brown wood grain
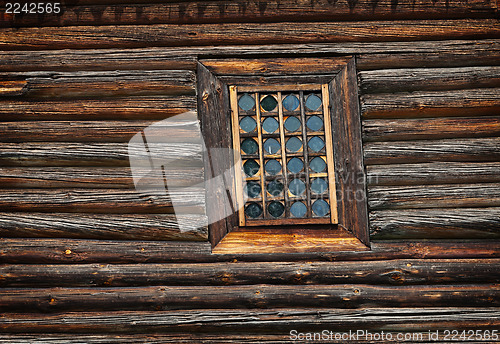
<point x="389" y="272"/>
<point x="10" y="88"/>
<point x="462" y="223"/>
<point x="105" y="227"/>
<point x="400" y="152"/>
<point x="434" y="196"/>
<point x="50" y="300"/>
<point x="428" y="79"/>
<point x="82" y="37"/>
<point x="78" y="251"/>
<point x="433" y="173"/>
<point x="101" y="200"/>
<point x="429" y="129"/>
<point x="251" y="11"/>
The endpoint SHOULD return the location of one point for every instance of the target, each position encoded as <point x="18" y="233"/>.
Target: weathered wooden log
<point x="253" y="11"/>
<point x="106" y="84"/>
<point x="463" y="223"/>
<point x="96" y="131"/>
<point x="472" y="102"/>
<point x="70" y="251"/>
<point x="434" y="196"/>
<point x="390" y="272"/>
<point x="433" y="173"/>
<point x="127" y="36"/>
<point x="429" y="129"/>
<point x="258" y="296"/>
<point x="145" y="108"/>
<point x="400" y="152"/>
<point x="87" y="154"/>
<point x="90" y="177"/>
<point x="10" y="88"/>
<point x="110" y="227"/>
<point x="102" y="201"/>
<point x="227" y="326"/>
<point x="374" y="55"/>
<point x="428" y="79"/>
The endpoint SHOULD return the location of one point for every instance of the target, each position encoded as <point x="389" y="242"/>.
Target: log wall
<point x="86" y="258"/>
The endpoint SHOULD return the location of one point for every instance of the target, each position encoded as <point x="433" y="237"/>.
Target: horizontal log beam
<point x="87" y="37"/>
<point x="392" y="272"/>
<point x="428" y="79"/>
<point x="106" y="227"/>
<point x="464" y="223"/>
<point x="258" y="296"/>
<point x="371" y="55"/>
<point x="425" y="129"/>
<point x="433" y="173"/>
<point x="87" y="154"/>
<point x="102" y="201"/>
<point x="400" y="152"/>
<point x="217" y="12"/>
<point x="78" y="251"/>
<point x="472" y="102"/>
<point x="434" y="196"/>
<point x="144" y="108"/>
<point x="230" y="326"/>
<point x="90" y="177"/>
<point x="96" y="131"/>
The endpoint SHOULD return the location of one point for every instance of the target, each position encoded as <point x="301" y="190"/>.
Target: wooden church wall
<point x="84" y="255"/>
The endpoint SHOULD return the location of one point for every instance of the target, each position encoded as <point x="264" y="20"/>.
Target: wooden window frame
<point x="214" y="111"/>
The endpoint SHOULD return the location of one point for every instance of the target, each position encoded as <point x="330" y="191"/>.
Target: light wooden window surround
<point x="246" y="105"/>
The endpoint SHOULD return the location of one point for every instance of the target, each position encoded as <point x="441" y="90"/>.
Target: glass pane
<point x="291" y="102"/>
<point x="295" y="165"/>
<point x="271" y="146"/>
<point x="268" y="103"/>
<point x="275" y="209"/>
<point x="275" y="188"/>
<point x="273" y="167"/>
<point x="294" y="144"/>
<point x="313" y="102"/>
<point x="251" y="167"/>
<point x="316" y="144"/>
<point x="319" y="185"/>
<point x="246" y="102"/>
<point x="249" y="146"/>
<point x="297" y="187"/>
<point x="317" y="164"/>
<point x="252" y="189"/>
<point x="320" y="207"/>
<point x="253" y="210"/>
<point x="292" y="124"/>
<point x="248" y="124"/>
<point x="270" y="125"/>
<point x="315" y="123"/>
<point x="298" y="209"/>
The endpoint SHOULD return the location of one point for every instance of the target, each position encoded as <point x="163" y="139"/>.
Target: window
<point x="296" y="124"/>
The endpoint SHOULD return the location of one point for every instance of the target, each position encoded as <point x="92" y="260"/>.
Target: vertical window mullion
<point x="261" y="155"/>
<point x="306" y="155"/>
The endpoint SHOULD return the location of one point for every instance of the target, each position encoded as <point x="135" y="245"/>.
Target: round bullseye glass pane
<point x="314" y="123"/>
<point x="291" y="102"/>
<point x="251" y="167"/>
<point x="293" y="144"/>
<point x="271" y="146"/>
<point x="295" y="165"/>
<point x="319" y="185"/>
<point x="249" y="146"/>
<point x="252" y="189"/>
<point x="292" y="124"/>
<point x="253" y="210"/>
<point x="268" y="103"/>
<point x="297" y="187"/>
<point x="316" y="144"/>
<point x="270" y="125"/>
<point x="275" y="188"/>
<point x="275" y="209"/>
<point x="248" y="124"/>
<point x="246" y="102"/>
<point x="313" y="102"/>
<point x="298" y="209"/>
<point x="317" y="164"/>
<point x="320" y="208"/>
<point x="273" y="167"/>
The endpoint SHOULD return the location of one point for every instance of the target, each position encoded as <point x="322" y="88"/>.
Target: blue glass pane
<point x="275" y="188"/>
<point x="292" y="124"/>
<point x="253" y="210"/>
<point x="249" y="146"/>
<point x="313" y="102"/>
<point x="319" y="185"/>
<point x="298" y="209"/>
<point x="316" y="144"/>
<point x="268" y="103"/>
<point x="297" y="187"/>
<point x="248" y="124"/>
<point x="293" y="144"/>
<point x="320" y="208"/>
<point x="271" y="146"/>
<point x="273" y="167"/>
<point x="270" y="125"/>
<point x="251" y="167"/>
<point x="317" y="164"/>
<point x="246" y="102"/>
<point x="291" y="102"/>
<point x="295" y="165"/>
<point x="252" y="189"/>
<point x="315" y="123"/>
<point x="275" y="209"/>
